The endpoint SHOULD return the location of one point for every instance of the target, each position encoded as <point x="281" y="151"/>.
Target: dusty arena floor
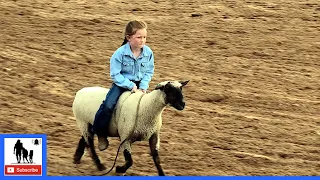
<point x="252" y="103"/>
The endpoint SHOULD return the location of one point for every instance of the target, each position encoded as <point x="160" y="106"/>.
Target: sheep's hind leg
<point x="80" y="150"/>
<point x="154" y="146"/>
<point x="128" y="158"/>
<point x="93" y="152"/>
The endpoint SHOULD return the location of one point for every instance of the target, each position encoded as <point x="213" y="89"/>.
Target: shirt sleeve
<point x="115" y="69"/>
<point x="144" y="83"/>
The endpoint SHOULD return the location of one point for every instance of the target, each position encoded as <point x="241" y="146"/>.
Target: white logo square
<point x="10" y="169"/>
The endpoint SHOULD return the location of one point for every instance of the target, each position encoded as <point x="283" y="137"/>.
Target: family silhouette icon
<point x="19" y="150"/>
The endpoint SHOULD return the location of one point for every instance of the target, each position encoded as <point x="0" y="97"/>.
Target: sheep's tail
<point x="115" y="160"/>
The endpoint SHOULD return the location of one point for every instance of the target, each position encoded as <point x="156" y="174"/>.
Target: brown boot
<point x="103" y="143"/>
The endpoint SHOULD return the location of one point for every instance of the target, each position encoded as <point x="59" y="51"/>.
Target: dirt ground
<point x="252" y="103"/>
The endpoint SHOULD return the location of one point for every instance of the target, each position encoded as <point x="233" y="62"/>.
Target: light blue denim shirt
<point x="125" y="68"/>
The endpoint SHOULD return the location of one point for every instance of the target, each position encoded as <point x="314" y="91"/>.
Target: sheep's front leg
<point x="127" y="155"/>
<point x="154" y="143"/>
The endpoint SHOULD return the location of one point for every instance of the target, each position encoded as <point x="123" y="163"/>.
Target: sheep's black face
<point x="174" y="96"/>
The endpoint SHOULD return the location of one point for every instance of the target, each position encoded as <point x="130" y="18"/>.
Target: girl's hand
<point x="134" y="89"/>
<point x="143" y="91"/>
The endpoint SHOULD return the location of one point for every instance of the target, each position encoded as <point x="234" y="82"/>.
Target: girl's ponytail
<point x="124" y="41"/>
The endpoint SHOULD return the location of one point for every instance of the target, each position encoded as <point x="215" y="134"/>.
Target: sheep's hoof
<point x="76" y="161"/>
<point x="120" y="169"/>
<point x="101" y="167"/>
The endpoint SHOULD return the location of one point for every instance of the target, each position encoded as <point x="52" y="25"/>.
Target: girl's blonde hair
<point x="132" y="27"/>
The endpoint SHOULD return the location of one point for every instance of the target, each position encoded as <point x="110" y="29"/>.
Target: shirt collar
<point x="127" y="50"/>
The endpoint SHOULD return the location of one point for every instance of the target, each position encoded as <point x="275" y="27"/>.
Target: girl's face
<point x="138" y="40"/>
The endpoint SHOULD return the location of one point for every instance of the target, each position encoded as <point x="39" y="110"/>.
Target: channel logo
<point x="23" y="156"/>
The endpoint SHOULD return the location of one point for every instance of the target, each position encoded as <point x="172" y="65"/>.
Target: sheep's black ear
<point x="183" y="83"/>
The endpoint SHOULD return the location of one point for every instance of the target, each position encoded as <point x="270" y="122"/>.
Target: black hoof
<point x="120" y="169"/>
<point x="76" y="160"/>
<point x="101" y="167"/>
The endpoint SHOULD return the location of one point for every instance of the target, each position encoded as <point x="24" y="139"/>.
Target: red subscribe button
<point x="22" y="170"/>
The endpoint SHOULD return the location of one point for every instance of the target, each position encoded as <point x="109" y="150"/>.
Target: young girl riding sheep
<point x="131" y="68"/>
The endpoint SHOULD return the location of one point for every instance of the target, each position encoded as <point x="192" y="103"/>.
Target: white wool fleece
<point x="88" y="100"/>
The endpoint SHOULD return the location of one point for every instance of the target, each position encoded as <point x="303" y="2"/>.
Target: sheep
<point x="126" y="122"/>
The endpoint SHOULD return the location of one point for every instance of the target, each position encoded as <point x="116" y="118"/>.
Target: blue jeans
<point x="104" y="113"/>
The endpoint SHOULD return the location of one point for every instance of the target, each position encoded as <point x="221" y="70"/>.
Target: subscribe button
<point x="22" y="170"/>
